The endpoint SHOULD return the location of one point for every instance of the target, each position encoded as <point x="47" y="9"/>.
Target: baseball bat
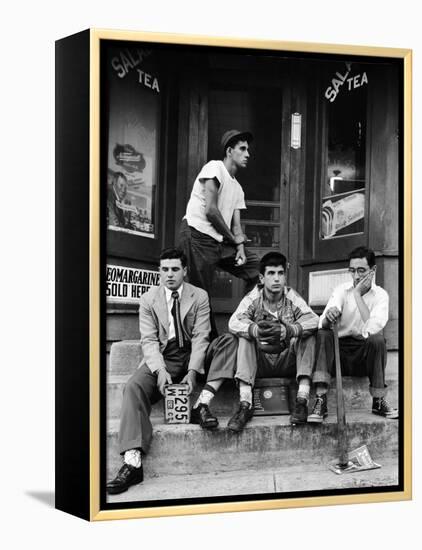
<point x="341" y="413"/>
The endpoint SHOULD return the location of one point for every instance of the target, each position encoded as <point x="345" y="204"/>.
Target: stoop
<point x="269" y="452"/>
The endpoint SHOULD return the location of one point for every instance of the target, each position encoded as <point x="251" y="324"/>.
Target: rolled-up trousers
<point x="358" y="357"/>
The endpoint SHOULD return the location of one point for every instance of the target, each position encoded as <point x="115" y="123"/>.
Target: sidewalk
<point x="269" y="456"/>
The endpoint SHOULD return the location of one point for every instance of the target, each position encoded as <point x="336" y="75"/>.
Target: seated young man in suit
<point x="274" y="330"/>
<point x="174" y="322"/>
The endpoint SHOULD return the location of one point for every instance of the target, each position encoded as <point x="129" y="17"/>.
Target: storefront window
<point x="344" y="188"/>
<point x="133" y="141"/>
<point x="262" y="235"/>
<point x="222" y="285"/>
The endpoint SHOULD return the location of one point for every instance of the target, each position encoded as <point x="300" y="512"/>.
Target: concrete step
<point x="275" y="482"/>
<point x="355" y="390"/>
<point x="125" y="356"/>
<point x="270" y="442"/>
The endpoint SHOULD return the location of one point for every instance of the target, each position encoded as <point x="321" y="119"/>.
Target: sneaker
<point x="242" y="416"/>
<point x="320" y="410"/>
<point x="381" y="407"/>
<point x="300" y="412"/>
<point x="203" y="416"/>
<point x="128" y="475"/>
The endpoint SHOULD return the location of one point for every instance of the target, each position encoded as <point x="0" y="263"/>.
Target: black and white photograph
<point x="215" y="418"/>
<point x="252" y="263"/>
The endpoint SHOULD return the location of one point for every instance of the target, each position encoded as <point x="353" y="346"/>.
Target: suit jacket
<point x="154" y="325"/>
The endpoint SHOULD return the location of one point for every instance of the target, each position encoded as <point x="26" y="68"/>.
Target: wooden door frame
<point x="193" y="146"/>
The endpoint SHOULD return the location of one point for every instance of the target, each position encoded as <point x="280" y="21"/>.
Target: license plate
<point x="176" y="404"/>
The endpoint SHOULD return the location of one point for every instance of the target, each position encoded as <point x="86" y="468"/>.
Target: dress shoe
<point x="381" y="407"/>
<point x="203" y="416"/>
<point x="242" y="416"/>
<point x="320" y="410"/>
<point x="128" y="475"/>
<point x="300" y="412"/>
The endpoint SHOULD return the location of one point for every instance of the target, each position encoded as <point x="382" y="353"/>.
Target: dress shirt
<point x="172" y="332"/>
<point x="351" y="322"/>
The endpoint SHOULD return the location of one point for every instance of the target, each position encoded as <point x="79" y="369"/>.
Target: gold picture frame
<point x="81" y="449"/>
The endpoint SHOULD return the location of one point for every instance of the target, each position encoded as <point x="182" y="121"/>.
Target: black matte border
<point x="72" y="473"/>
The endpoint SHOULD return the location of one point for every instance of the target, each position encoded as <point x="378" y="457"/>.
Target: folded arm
<point x="305" y="319"/>
<point x="242" y="321"/>
<point x="213" y="213"/>
<point x="378" y="317"/>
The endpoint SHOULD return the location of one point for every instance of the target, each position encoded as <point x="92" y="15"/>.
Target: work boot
<point x="300" y="412"/>
<point x="242" y="416"/>
<point x="381" y="407"/>
<point x="320" y="410"/>
<point x="203" y="416"/>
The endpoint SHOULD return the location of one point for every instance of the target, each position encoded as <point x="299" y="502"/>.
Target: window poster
<point x="133" y="141"/>
<point x="344" y="185"/>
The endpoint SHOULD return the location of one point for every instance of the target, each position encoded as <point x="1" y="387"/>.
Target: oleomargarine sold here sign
<point x="127" y="284"/>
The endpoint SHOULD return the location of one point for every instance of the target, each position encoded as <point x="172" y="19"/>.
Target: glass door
<point x="256" y="108"/>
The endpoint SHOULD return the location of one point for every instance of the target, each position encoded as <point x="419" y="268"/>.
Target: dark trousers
<point x="222" y="357"/>
<point x="141" y="391"/>
<point x="204" y="254"/>
<point x="358" y="357"/>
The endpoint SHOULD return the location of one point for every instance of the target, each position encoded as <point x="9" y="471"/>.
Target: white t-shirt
<point x="230" y="198"/>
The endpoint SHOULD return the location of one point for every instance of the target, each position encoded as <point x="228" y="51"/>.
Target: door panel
<point x="258" y="109"/>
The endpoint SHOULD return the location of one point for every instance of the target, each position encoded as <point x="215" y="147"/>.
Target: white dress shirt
<point x="170" y="300"/>
<point x="351" y="322"/>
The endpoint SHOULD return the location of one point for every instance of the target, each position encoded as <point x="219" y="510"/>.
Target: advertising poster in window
<point x="344" y="186"/>
<point x="133" y="137"/>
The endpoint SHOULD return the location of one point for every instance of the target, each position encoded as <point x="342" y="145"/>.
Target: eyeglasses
<point x="359" y="270"/>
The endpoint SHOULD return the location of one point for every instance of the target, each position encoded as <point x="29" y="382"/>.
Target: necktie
<point x="175" y="311"/>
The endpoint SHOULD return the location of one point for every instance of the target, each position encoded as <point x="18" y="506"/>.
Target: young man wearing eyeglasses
<point x="360" y="310"/>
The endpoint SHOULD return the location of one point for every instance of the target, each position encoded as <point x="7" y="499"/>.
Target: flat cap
<point x="232" y="135"/>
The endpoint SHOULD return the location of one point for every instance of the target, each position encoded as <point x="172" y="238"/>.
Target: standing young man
<point x="275" y="330"/>
<point x="211" y="233"/>
<point x="360" y="310"/>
